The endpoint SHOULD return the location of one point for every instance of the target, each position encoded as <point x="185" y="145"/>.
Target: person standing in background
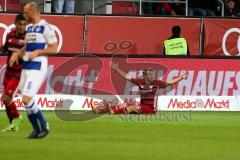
<point x="67" y="5"/>
<point x="176" y="45"/>
<point x="231" y="9"/>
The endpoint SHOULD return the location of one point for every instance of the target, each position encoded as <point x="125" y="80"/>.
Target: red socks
<point x="119" y="110"/>
<point x="103" y="110"/>
<point x="12" y="111"/>
<point x="9" y="115"/>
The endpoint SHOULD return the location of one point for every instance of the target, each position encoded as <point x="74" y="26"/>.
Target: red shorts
<point x="147" y="109"/>
<point x="10" y="85"/>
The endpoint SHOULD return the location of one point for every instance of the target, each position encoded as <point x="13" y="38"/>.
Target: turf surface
<point x="195" y="136"/>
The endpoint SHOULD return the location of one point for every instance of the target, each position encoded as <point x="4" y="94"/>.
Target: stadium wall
<point x="87" y="34"/>
<point x="212" y="84"/>
<point x="165" y="103"/>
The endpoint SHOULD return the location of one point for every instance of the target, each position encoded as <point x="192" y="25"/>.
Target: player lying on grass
<point x="15" y="40"/>
<point x="148" y="88"/>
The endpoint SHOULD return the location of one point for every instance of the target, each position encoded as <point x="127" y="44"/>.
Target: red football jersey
<point x="148" y="92"/>
<point x="13" y="43"/>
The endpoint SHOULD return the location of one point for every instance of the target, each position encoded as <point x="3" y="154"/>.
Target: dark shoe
<point x="33" y="135"/>
<point x="45" y="131"/>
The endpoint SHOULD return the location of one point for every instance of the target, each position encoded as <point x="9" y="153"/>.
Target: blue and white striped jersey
<point x="38" y="36"/>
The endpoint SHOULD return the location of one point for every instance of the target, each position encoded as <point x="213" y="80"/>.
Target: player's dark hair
<point x="19" y="17"/>
<point x="176" y="30"/>
<point x="147" y="70"/>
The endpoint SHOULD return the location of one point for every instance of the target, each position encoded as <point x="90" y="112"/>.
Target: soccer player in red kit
<point x="15" y="40"/>
<point x="148" y="88"/>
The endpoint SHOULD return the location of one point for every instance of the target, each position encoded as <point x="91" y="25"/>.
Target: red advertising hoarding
<point x="221" y="37"/>
<point x="69" y="30"/>
<point x="137" y="35"/>
<point x="93" y="76"/>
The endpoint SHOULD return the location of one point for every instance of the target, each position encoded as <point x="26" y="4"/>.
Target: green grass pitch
<point x="204" y="136"/>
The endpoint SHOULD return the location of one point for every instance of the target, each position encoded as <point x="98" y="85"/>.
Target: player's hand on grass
<point x="114" y="65"/>
<point x="33" y="55"/>
<point x="14" y="59"/>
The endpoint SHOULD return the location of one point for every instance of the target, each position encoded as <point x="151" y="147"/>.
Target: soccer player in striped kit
<point x="40" y="41"/>
<point x="14" y="42"/>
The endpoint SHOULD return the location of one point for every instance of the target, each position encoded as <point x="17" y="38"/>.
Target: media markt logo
<point x="199" y="103"/>
<point x="208" y="103"/>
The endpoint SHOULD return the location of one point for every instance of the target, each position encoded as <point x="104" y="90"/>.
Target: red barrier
<point x="69" y="30"/>
<point x="137" y="35"/>
<point x="221" y="37"/>
<point x="214" y="77"/>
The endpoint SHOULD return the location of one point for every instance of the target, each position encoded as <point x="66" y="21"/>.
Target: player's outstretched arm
<point x="124" y="75"/>
<point x="176" y="80"/>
